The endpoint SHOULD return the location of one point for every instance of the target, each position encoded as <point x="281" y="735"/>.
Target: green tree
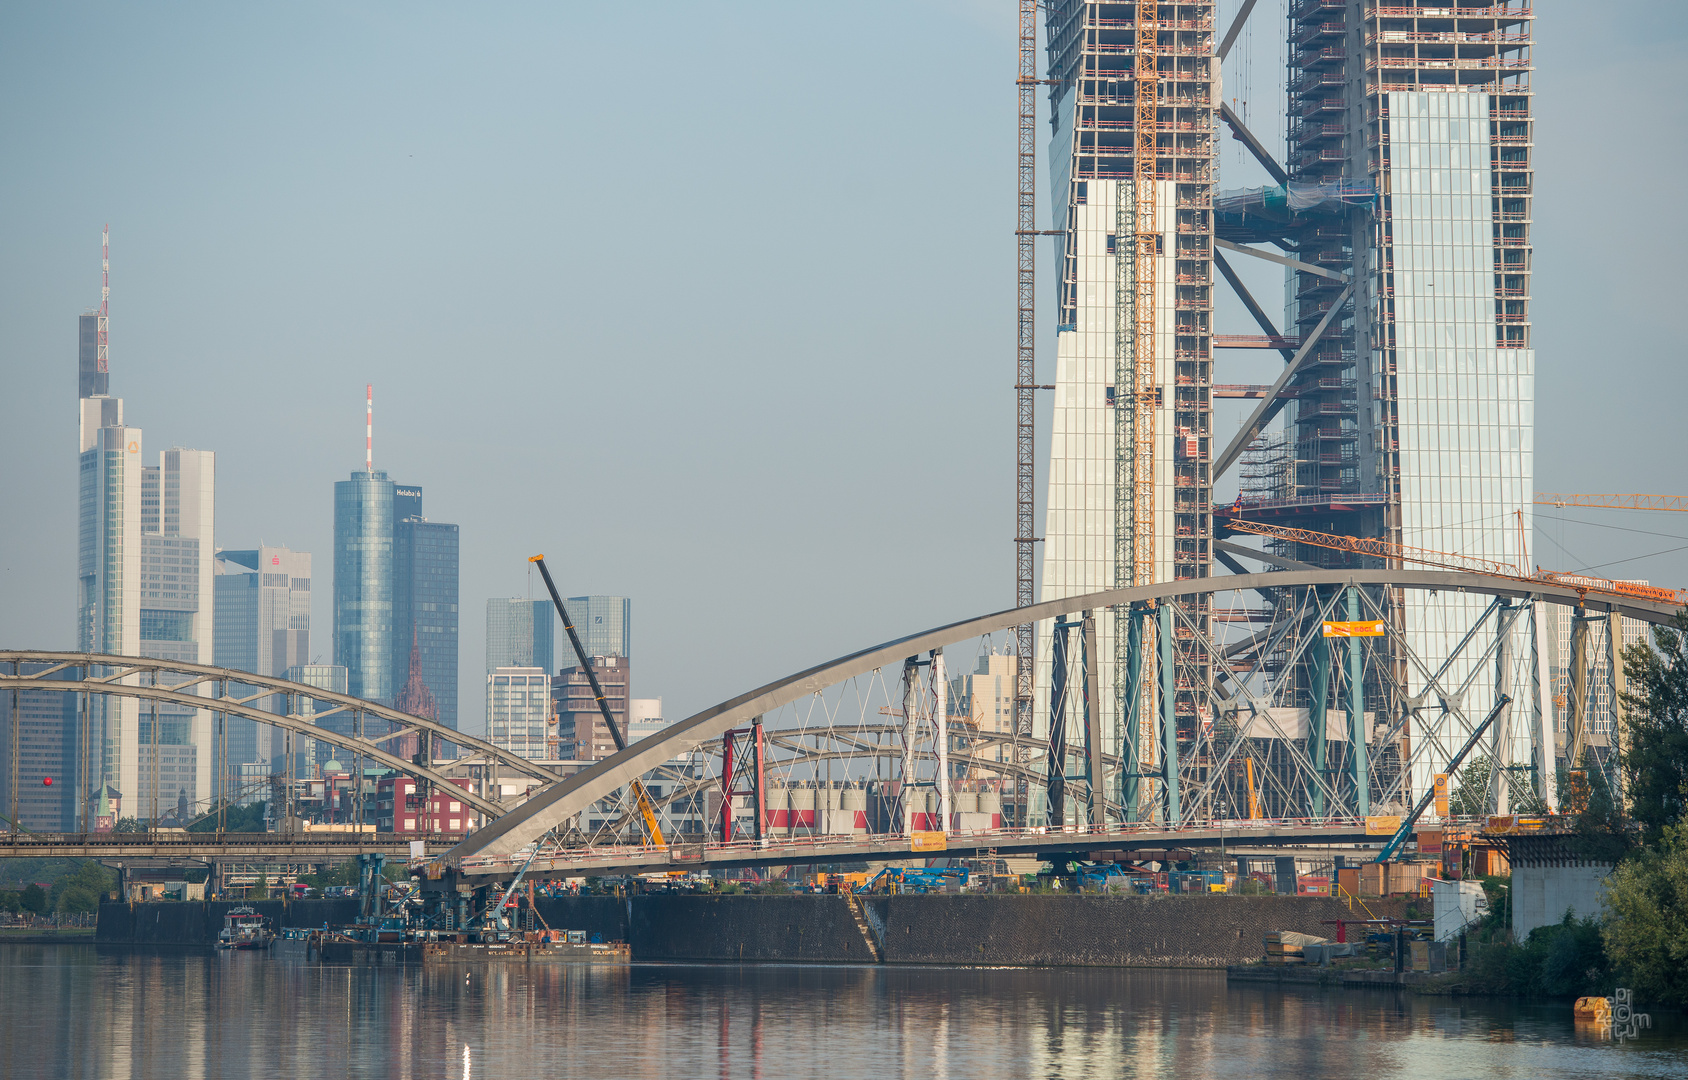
<point x="11" y="901"/>
<point x="236" y="819"/>
<point x="34" y="899"/>
<point x="1655" y="759"/>
<point x="1646" y="918"/>
<point x="78" y="899"/>
<point x="261" y="891"/>
<point x="130" y="824"/>
<point x="90" y="878"/>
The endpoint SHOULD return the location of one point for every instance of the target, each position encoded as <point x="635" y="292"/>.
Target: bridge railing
<point x="795" y="847"/>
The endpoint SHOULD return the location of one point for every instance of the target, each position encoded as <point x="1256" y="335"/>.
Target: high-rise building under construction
<point x="1402" y="210"/>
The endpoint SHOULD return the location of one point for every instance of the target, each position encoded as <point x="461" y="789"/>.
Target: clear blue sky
<point x="712" y="304"/>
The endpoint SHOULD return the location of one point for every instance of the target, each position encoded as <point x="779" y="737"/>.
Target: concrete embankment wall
<point x="1104" y="931"/>
<point x="677" y="926"/>
<point x="199" y="922"/>
<point x="1085" y="931"/>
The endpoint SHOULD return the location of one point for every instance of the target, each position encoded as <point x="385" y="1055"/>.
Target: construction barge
<point x="395" y="926"/>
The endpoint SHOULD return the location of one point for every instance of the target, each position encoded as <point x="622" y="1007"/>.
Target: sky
<point x="711" y="304"/>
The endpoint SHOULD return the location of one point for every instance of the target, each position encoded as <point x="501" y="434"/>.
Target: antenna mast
<point x="103" y="364"/>
<point x="369" y="427"/>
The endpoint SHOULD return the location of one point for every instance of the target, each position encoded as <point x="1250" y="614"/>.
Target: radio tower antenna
<point x="103" y="364"/>
<point x="369" y="427"/>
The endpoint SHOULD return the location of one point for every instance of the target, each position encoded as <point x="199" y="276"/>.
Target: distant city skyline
<point x="327" y="211"/>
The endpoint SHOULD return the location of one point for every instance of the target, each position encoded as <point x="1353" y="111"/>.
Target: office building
<point x="49" y="777"/>
<point x="178" y="510"/>
<point x="425" y="602"/>
<point x="1133" y="353"/>
<point x="644" y="718"/>
<point x="395" y="591"/>
<point x="1405" y="196"/>
<point x="581" y="733"/>
<point x="144" y="543"/>
<point x="520" y="633"/>
<point x="364" y="584"/>
<point x="309" y="755"/>
<point x="518" y="712"/>
<point x="604" y="623"/>
<point x="263" y="625"/>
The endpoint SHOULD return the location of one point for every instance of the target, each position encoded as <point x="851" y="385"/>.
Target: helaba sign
<point x="415" y="493"/>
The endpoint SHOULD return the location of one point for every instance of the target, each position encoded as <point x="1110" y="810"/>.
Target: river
<point x="78" y="1011"/>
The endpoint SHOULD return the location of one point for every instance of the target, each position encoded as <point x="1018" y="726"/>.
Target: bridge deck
<point x="210" y="847"/>
<point x="578" y="862"/>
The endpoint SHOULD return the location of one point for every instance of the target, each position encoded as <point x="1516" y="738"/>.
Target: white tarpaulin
<point x="1280" y="723"/>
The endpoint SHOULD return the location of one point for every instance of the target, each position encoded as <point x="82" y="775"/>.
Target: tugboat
<point x="244" y="928"/>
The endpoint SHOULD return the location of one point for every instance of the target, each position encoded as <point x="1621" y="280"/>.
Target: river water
<point x="78" y="1011"/>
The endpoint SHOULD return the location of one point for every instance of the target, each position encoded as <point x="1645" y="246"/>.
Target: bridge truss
<point x="914" y="735"/>
<point x="917" y="736"/>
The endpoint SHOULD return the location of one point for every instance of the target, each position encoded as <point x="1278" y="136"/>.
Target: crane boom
<point x="647" y="809"/>
<point x="1442" y="560"/>
<point x="1614" y="502"/>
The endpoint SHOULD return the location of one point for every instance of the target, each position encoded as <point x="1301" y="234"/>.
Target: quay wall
<point x="949" y="930"/>
<point x="198" y="922"/>
<point x="1097" y="931"/>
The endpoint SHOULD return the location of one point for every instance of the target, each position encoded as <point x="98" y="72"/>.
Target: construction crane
<point x="1442" y="560"/>
<point x="1614" y="502"/>
<point x="647" y="808"/>
<point x="1145" y="391"/>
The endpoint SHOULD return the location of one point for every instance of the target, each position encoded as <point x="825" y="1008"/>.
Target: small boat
<point x="244" y="928"/>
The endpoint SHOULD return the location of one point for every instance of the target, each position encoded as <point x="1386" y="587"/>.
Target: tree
<point x="1646" y="918"/>
<point x="78" y="899"/>
<point x="11" y="901"/>
<point x="1655" y="759"/>
<point x="90" y="878"/>
<point x="34" y="899"/>
<point x="261" y="891"/>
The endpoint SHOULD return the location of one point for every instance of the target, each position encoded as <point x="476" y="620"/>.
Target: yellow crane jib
<point x="647" y="808"/>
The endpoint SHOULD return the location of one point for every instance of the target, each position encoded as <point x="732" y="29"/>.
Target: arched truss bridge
<point x="303" y="709"/>
<point x="863" y="722"/>
<point x="826" y="751"/>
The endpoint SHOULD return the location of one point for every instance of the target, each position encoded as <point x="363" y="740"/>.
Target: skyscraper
<point x="425" y="604"/>
<point x="520" y="633"/>
<point x="178" y="511"/>
<point x="395" y="589"/>
<point x="604" y="623"/>
<point x="144" y="539"/>
<point x="1405" y="203"/>
<point x="48" y="775"/>
<point x="263" y="622"/>
<point x="364" y="584"/>
<point x="1133" y="359"/>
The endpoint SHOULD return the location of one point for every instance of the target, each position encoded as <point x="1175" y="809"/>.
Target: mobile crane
<point x="647" y="808"/>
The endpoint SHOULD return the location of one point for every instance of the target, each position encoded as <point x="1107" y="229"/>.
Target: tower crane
<point x="1614" y="502"/>
<point x="1442" y="560"/>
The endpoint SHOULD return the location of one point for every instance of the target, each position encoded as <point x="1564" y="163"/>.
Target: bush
<point x="1646" y="905"/>
<point x="1567" y="959"/>
<point x="78" y="899"/>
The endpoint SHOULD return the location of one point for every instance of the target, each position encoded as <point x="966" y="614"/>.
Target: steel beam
<point x="1284" y="260"/>
<point x="1255" y="146"/>
<point x="1254" y="309"/>
<point x="560" y="801"/>
<point x="1091" y="660"/>
<point x="1169" y="717"/>
<point x="1268" y="408"/>
<point x="1236" y="28"/>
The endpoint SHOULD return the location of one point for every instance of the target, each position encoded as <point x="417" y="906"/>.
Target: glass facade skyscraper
<point x="520" y="633"/>
<point x="395" y="585"/>
<point x="604" y="623"/>
<point x="364" y="585"/>
<point x="425" y="607"/>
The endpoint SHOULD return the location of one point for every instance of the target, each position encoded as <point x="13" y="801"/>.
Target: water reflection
<point x="75" y="1012"/>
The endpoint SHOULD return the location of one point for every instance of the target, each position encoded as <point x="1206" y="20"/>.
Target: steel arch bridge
<point x="869" y="721"/>
<point x="1260" y="671"/>
<point x="176" y="683"/>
